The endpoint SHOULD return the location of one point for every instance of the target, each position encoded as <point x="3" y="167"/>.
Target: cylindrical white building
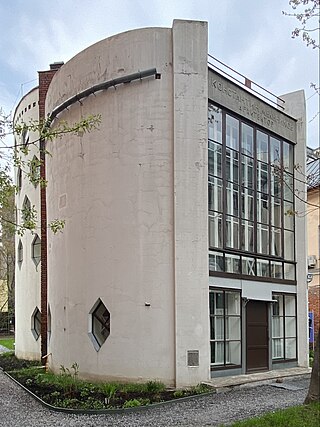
<point x="120" y="190"/>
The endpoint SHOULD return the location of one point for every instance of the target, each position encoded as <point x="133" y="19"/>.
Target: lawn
<point x="7" y="342"/>
<point x="298" y="416"/>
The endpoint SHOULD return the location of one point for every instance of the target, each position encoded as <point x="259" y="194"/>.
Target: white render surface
<point x="295" y="105"/>
<point x="27" y="275"/>
<point x="115" y="188"/>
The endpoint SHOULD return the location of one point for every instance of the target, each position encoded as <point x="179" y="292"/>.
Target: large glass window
<point x="284" y="329"/>
<point x="225" y="328"/>
<point x="251" y="199"/>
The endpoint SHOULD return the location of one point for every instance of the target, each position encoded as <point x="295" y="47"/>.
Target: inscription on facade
<point x="228" y="95"/>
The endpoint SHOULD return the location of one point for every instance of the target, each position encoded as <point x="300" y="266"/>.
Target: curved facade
<point x="133" y="292"/>
<point x="28" y="267"/>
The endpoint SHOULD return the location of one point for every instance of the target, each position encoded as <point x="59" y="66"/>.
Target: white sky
<point x="251" y="36"/>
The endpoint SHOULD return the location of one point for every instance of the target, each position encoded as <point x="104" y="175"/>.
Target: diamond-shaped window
<point x="36" y="323"/>
<point x="99" y="328"/>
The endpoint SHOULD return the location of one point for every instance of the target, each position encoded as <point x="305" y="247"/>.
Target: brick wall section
<point x="45" y="78"/>
<point x="314" y="304"/>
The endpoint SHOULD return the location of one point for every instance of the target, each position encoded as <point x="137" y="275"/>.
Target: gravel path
<point x="18" y="409"/>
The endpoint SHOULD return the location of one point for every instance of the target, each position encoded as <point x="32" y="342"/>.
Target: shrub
<point x="131" y="403"/>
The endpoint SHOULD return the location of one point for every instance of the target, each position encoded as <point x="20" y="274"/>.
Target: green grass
<point x="298" y="416"/>
<point x="7" y="342"/>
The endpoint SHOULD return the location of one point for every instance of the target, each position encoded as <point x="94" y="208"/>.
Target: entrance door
<point x="257" y="336"/>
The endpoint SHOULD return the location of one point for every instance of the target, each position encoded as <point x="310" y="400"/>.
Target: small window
<point x="26" y="208"/>
<point x="49" y="322"/>
<point x="99" y="329"/>
<point x="20" y="253"/>
<point x="19" y="179"/>
<point x="36" y="250"/>
<point x="35" y="171"/>
<point x="25" y="136"/>
<point x="36" y="323"/>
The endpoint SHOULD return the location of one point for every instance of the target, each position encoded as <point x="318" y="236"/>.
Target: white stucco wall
<point x="295" y="105"/>
<point x="27" y="275"/>
<point x="131" y="235"/>
<point x="114" y="188"/>
<point x="190" y="86"/>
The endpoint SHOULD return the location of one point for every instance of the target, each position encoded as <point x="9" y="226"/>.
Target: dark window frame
<point x="270" y="198"/>
<point x="225" y="365"/>
<point x="284" y="316"/>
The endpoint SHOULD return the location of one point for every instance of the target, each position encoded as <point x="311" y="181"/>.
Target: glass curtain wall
<point x="251" y="200"/>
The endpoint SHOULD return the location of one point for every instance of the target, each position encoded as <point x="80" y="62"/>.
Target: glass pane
<point x="288" y="157"/>
<point x="215" y="123"/>
<point x="232" y="232"/>
<point x="276" y="269"/>
<point x="276" y="242"/>
<point x="232" y="199"/>
<point x="215" y="194"/>
<point x="290" y="305"/>
<point x="277" y="348"/>
<point x="233" y="328"/>
<point x="215" y="230"/>
<point x="275" y="152"/>
<point x="218" y="303"/>
<point x="276" y="181"/>
<point x="232" y="166"/>
<point x="262" y="208"/>
<point x="217" y="353"/>
<point x="262" y="146"/>
<point x="290" y="325"/>
<point x="233" y="303"/>
<point x="263" y="268"/>
<point x="233" y="353"/>
<point x="277" y="307"/>
<point x="247" y="236"/>
<point x="214" y="159"/>
<point x="276" y="212"/>
<point x="289" y="245"/>
<point x="216" y="328"/>
<point x="263" y="239"/>
<point x="247" y="172"/>
<point x="291" y="352"/>
<point x="289" y="215"/>
<point x="247" y="205"/>
<point x="216" y="262"/>
<point x="211" y="303"/>
<point x="232" y="132"/>
<point x="262" y="177"/>
<point x="248" y="266"/>
<point x="247" y="140"/>
<point x="232" y="263"/>
<point x="288" y="188"/>
<point x="277" y="327"/>
<point x="289" y="271"/>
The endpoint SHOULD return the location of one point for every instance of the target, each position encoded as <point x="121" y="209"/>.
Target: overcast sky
<point x="251" y="36"/>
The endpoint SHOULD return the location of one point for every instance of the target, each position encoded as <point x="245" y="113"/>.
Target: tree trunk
<point x="314" y="388"/>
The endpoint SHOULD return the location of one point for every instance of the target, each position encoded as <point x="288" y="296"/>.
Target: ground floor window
<point x="225" y="328"/>
<point x="284" y="327"/>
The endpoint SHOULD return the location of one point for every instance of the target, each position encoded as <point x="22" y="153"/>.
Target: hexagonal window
<point x="36" y="323"/>
<point x="35" y="171"/>
<point x="20" y="253"/>
<point x="36" y="250"/>
<point x="99" y="324"/>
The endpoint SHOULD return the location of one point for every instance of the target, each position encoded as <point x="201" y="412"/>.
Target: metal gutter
<point x="102" y="86"/>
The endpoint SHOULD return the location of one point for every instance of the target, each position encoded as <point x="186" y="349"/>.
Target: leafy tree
<point x="17" y="156"/>
<point x="307" y="12"/>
